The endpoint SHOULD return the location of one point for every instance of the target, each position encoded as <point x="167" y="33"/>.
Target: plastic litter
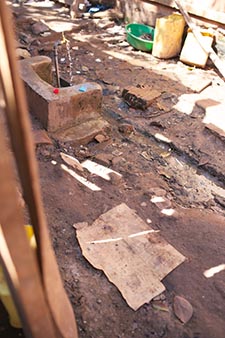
<point x="83" y="89"/>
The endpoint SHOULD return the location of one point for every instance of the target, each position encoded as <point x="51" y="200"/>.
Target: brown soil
<point x="197" y="228"/>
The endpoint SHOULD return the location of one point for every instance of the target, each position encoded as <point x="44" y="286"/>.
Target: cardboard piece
<point x="133" y="255"/>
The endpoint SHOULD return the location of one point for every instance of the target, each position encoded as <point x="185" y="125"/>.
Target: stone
<point x="45" y="152"/>
<point x="25" y="38"/>
<point x="115" y="179"/>
<point x="117" y="160"/>
<point x="101" y="138"/>
<point x="160" y="297"/>
<point x="140" y="97"/>
<point x="117" y="152"/>
<point x="39" y="27"/>
<point x="166" y="102"/>
<point x="182" y="309"/>
<point x="157" y="191"/>
<point x="126" y="128"/>
<point x="22" y="53"/>
<point x="77" y="8"/>
<point x="104" y="158"/>
<point x="220" y="200"/>
<point x="162" y="138"/>
<point x="41" y="137"/>
<point x="85" y="69"/>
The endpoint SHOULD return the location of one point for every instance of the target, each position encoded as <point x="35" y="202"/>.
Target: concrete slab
<point x="196" y="80"/>
<point x="215" y="119"/>
<point x="82" y="133"/>
<point x="213" y="102"/>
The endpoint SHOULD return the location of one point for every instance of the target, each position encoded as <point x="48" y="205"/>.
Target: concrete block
<point x="68" y="107"/>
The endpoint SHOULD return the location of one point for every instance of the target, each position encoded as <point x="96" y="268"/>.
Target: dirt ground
<point x="189" y="170"/>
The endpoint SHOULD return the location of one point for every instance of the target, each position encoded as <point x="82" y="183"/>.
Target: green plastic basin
<point x="134" y="31"/>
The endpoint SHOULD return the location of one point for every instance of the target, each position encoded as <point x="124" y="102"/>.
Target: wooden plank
<point x="133" y="255"/>
<point x="16" y="256"/>
<point x="19" y="128"/>
<point x="212" y="11"/>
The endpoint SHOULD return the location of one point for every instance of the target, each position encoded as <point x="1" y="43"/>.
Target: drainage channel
<point x="190" y="185"/>
<point x="194" y="183"/>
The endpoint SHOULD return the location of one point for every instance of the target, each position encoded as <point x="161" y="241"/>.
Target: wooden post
<point x="57" y="317"/>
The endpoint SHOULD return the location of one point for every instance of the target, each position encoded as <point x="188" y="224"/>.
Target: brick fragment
<point x="41" y="137"/>
<point x="140" y="98"/>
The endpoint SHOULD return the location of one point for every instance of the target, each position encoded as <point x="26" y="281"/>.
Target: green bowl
<point x="135" y="31"/>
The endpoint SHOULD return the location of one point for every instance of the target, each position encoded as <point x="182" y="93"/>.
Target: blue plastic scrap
<point x="83" y="89"/>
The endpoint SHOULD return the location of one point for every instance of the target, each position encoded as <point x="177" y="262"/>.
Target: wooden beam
<point x="195" y="7"/>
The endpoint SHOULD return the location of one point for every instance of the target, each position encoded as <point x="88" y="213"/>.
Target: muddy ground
<point x="189" y="171"/>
